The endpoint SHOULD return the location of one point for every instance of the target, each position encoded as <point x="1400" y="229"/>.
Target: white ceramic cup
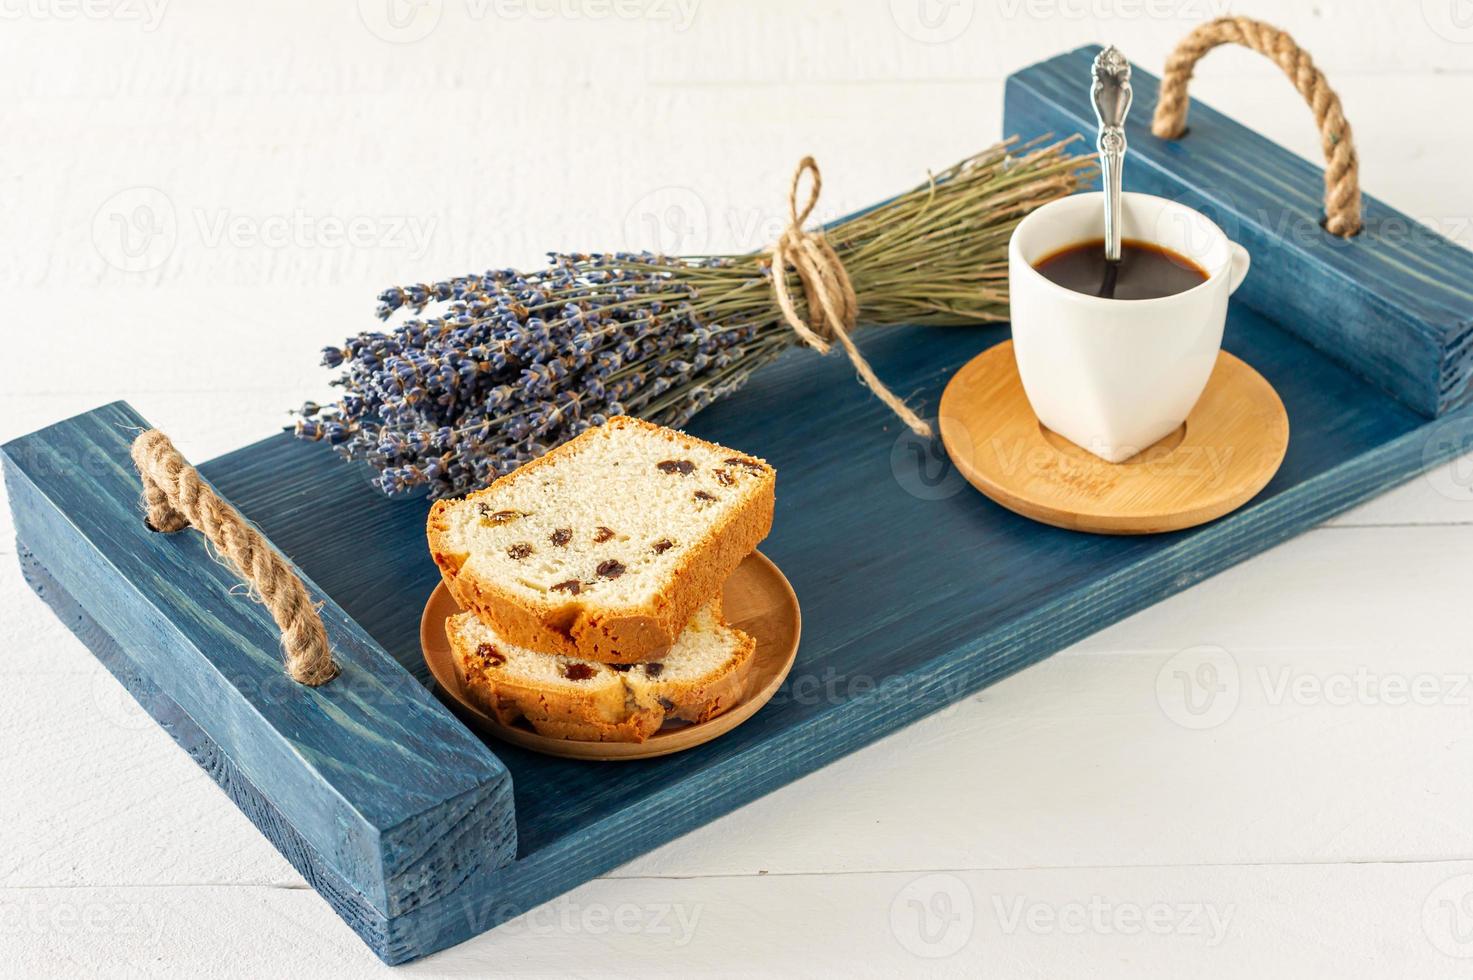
<point x="1116" y="376"/>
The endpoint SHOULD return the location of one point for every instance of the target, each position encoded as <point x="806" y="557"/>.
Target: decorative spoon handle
<point x="1111" y="96"/>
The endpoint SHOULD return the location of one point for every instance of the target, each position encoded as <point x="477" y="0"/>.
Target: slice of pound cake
<point x="604" y="548"/>
<point x="703" y="674"/>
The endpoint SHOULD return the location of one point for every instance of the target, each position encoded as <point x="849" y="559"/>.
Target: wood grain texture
<point x="882" y="648"/>
<point x="370" y="923"/>
<point x="1394" y="303"/>
<point x="1229" y="447"/>
<point x="376" y="785"/>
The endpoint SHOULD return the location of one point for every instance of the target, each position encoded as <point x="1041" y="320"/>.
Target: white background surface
<point x="1076" y="819"/>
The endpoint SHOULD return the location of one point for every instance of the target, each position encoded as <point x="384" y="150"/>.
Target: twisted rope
<point x="828" y="294"/>
<point x="176" y="497"/>
<point x="1342" y="170"/>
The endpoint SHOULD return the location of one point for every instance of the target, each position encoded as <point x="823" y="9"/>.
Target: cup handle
<point x="1238" y="268"/>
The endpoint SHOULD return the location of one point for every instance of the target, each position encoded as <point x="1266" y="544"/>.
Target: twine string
<point x="1342" y="169"/>
<point x="176" y="498"/>
<point x="829" y="298"/>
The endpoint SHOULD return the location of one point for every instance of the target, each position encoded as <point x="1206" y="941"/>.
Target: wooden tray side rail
<point x="367" y="784"/>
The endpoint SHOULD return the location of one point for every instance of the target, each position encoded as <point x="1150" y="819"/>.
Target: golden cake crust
<point x="584" y="627"/>
<point x="609" y="705"/>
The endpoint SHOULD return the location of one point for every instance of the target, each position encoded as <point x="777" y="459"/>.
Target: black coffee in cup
<point x="1145" y="270"/>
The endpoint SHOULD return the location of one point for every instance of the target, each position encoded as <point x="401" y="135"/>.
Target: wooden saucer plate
<point x="756" y="599"/>
<point x="1228" y="449"/>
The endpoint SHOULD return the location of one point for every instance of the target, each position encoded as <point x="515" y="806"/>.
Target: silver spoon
<point x="1110" y="94"/>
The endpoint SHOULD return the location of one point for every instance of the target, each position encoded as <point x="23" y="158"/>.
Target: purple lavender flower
<point x="519" y="363"/>
<point x="511" y="364"/>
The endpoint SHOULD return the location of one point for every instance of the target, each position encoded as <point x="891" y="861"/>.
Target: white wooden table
<point x="1270" y="774"/>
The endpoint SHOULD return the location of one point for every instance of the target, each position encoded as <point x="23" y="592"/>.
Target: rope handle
<point x="1342" y="170"/>
<point x="175" y="498"/>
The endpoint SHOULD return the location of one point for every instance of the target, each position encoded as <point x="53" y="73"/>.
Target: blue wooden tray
<point x="916" y="590"/>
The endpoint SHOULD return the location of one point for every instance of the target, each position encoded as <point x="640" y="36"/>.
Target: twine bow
<point x="828" y="294"/>
<point x="176" y="497"/>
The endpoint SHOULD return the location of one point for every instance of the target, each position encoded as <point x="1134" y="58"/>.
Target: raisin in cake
<point x="604" y="548"/>
<point x="702" y="675"/>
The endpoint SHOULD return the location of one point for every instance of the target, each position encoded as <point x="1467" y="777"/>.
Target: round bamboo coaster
<point x="756" y="599"/>
<point x="1228" y="449"/>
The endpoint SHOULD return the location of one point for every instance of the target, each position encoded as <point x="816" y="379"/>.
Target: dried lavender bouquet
<point x="514" y="363"/>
